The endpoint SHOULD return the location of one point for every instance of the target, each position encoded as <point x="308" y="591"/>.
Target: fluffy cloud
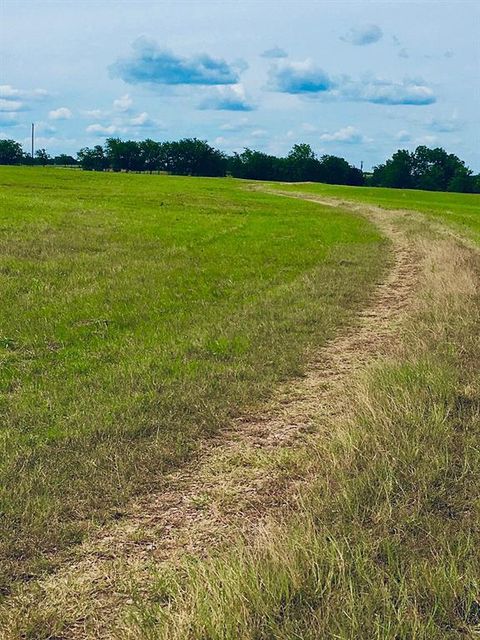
<point x="274" y="52"/>
<point x="12" y="99"/>
<point x="62" y="113"/>
<point x="11" y="105"/>
<point x="102" y="130"/>
<point x="145" y="121"/>
<point x="149" y="64"/>
<point x="363" y="35"/>
<point x="346" y="134"/>
<point x="299" y="77"/>
<point x="231" y="98"/>
<point x="123" y="104"/>
<point x="381" y="91"/>
<point x="308" y="79"/>
<point x="8" y="92"/>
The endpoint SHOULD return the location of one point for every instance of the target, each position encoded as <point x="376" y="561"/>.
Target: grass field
<point x="140" y="313"/>
<point x="461" y="211"/>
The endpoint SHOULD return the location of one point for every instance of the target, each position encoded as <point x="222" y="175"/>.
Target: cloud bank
<point x="299" y="77"/>
<point x="148" y="64"/>
<point x="306" y="78"/>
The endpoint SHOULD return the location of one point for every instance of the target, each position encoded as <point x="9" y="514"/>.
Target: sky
<point x="356" y="79"/>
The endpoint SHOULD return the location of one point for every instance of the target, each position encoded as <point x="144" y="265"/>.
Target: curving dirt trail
<point x="237" y="479"/>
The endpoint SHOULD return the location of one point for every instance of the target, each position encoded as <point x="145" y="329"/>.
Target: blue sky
<point x="357" y="79"/>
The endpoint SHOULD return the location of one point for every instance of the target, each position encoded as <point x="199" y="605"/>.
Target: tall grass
<point x="386" y="543"/>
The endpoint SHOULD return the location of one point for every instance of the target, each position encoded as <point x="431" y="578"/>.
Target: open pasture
<point x="140" y="313"/>
<point x="460" y="211"/>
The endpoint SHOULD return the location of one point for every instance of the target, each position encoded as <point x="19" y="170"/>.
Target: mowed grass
<point x="140" y="313"/>
<point x="461" y="211"/>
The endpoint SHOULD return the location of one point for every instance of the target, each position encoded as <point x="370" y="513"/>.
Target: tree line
<point x="431" y="169"/>
<point x="424" y="168"/>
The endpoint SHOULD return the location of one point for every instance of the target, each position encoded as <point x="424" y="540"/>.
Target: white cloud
<point x="226" y="98"/>
<point x="9" y="92"/>
<point x="123" y="104"/>
<point x="346" y="134"/>
<point x="381" y="91"/>
<point x="62" y="113"/>
<point x="141" y="120"/>
<point x="95" y="113"/>
<point x="100" y="129"/>
<point x="11" y="105"/>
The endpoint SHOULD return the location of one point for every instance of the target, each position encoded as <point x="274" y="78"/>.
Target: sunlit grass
<point x="140" y="313"/>
<point x="459" y="210"/>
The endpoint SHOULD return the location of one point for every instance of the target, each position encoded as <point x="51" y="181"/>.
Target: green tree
<point x="151" y="155"/>
<point x="396" y="172"/>
<point x="64" y="160"/>
<point x="123" y="154"/>
<point x="193" y="157"/>
<point x="301" y="163"/>
<point x="11" y="152"/>
<point x="92" y="159"/>
<point x="42" y="157"/>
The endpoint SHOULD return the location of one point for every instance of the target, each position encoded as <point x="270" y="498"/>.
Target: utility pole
<point x="33" y="139"/>
<point x="361" y="166"/>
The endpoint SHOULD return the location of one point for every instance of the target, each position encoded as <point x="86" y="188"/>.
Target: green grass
<point x="140" y="313"/>
<point x="461" y="211"/>
<point x="385" y="543"/>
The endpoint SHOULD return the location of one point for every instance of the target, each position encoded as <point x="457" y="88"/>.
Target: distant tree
<point x="11" y="152"/>
<point x="151" y="155"/>
<point x="430" y="169"/>
<point x="396" y="172"/>
<point x="462" y="181"/>
<point x="64" y="160"/>
<point x="123" y="154"/>
<point x="92" y="159"/>
<point x="255" y="165"/>
<point x="476" y="183"/>
<point x="334" y="170"/>
<point x="193" y="157"/>
<point x="301" y="164"/>
<point x="42" y="157"/>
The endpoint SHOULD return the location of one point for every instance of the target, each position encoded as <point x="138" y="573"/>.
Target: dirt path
<point x="239" y="478"/>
